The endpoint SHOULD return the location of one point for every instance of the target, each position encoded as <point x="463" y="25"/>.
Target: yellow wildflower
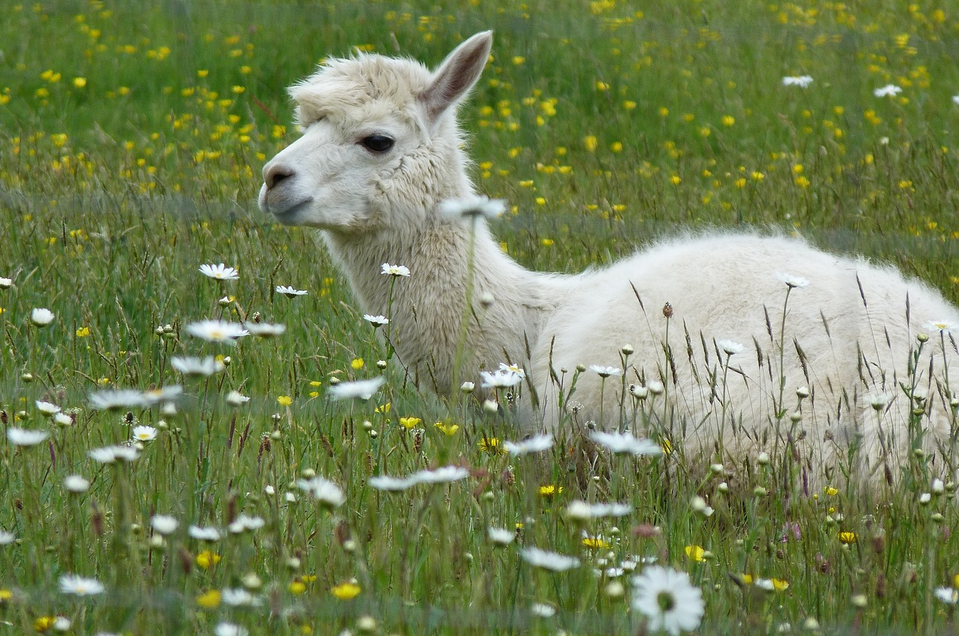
<point x="346" y="591"/>
<point x="210" y="599"/>
<point x="206" y="559"/>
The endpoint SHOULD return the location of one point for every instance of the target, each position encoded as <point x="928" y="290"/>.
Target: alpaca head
<point x="380" y="147"/>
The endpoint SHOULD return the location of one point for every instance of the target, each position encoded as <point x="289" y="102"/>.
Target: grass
<point x="131" y="140"/>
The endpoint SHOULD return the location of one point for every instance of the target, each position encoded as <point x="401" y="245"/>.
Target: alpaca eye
<point x="377" y="143"/>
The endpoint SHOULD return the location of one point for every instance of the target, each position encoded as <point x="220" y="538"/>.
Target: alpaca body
<point x="726" y="288"/>
<point x="381" y="151"/>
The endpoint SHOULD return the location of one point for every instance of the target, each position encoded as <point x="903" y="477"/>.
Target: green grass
<point x="131" y="140"/>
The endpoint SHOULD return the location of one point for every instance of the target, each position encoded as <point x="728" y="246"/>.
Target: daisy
<point x="501" y="536"/>
<point x="76" y="484"/>
<point x="376" y="321"/>
<point x="442" y="475"/>
<point x="542" y="610"/>
<point x="6" y="538"/>
<point x="244" y="522"/>
<point x="547" y="560"/>
<point x="219" y="272"/>
<point x="889" y="90"/>
<point x="118" y="399"/>
<point x="41" y="317"/>
<point x="63" y="419"/>
<point x="668" y="600"/>
<point x="163" y="394"/>
<point x="6" y="283"/>
<point x="878" y="401"/>
<point x="113" y="454"/>
<point x="238" y="597"/>
<point x="581" y="510"/>
<point x="204" y="534"/>
<point x="235" y="398"/>
<point x="264" y="329"/>
<point x="362" y="389"/>
<point x="534" y="444"/>
<point x="290" y="292"/>
<point x="164" y="524"/>
<point x="323" y="490"/>
<point x="500" y="379"/>
<point x="80" y="586"/>
<point x="801" y="81"/>
<point x="229" y="629"/>
<point x="46" y="408"/>
<point x="390" y="484"/>
<point x="792" y="281"/>
<point x="626" y="443"/>
<point x="947" y="595"/>
<point x="24" y="437"/>
<point x="942" y="326"/>
<point x="474" y="206"/>
<point x="197" y="366"/>
<point x="144" y="433"/>
<point x="605" y="372"/>
<point x="730" y="347"/>
<point x="217" y="331"/>
<point x="395" y="270"/>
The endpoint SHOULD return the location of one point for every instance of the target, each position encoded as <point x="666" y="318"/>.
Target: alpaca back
<point x="849" y="337"/>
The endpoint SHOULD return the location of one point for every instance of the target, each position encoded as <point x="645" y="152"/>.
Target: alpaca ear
<point x="457" y="74"/>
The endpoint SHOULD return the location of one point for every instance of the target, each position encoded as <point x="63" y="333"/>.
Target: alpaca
<point x="726" y="343"/>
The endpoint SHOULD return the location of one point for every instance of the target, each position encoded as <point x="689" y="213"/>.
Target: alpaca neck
<point x="427" y="309"/>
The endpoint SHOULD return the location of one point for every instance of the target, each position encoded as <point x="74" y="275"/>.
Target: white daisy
<point x="605" y="372"/>
<point x="217" y="331"/>
<point x="390" y="484"/>
<point x="245" y="522"/>
<point x="6" y="283"/>
<point x="290" y="292"/>
<point x="264" y="329"/>
<point x="473" y="206"/>
<point x="547" y="560"/>
<point x="63" y="419"/>
<point x="626" y="443"/>
<point x="440" y="475"/>
<point x="230" y="629"/>
<point x="219" y="272"/>
<point x="792" y="281"/>
<point x="500" y="379"/>
<point x="204" y="534"/>
<point x="889" y="90"/>
<point x="947" y="595"/>
<point x="730" y="347"/>
<point x="197" y="366"/>
<point x="534" y="444"/>
<point x="376" y="321"/>
<point x="943" y="326"/>
<point x="164" y="524"/>
<point x="163" y="394"/>
<point x="542" y="610"/>
<point x="323" y="490"/>
<point x="6" y="538"/>
<point x="235" y="398"/>
<point x="113" y="454"/>
<point x="144" y="433"/>
<point x="118" y="399"/>
<point x="238" y="597"/>
<point x="80" y="586"/>
<point x="76" y="483"/>
<point x="41" y="317"/>
<point x="47" y="408"/>
<point x="581" y="510"/>
<point x="395" y="270"/>
<point x="668" y="600"/>
<point x="955" y="99"/>
<point x="362" y="389"/>
<point x="501" y="536"/>
<point x="802" y="81"/>
<point x="24" y="437"/>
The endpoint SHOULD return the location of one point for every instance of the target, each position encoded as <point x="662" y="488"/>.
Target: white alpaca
<point x="381" y="150"/>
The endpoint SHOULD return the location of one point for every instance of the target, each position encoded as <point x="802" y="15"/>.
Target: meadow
<point x="153" y="482"/>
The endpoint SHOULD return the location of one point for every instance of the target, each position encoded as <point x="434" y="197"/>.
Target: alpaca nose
<point x="273" y="175"/>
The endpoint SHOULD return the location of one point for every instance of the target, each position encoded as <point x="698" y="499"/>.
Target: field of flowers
<point x="160" y="475"/>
